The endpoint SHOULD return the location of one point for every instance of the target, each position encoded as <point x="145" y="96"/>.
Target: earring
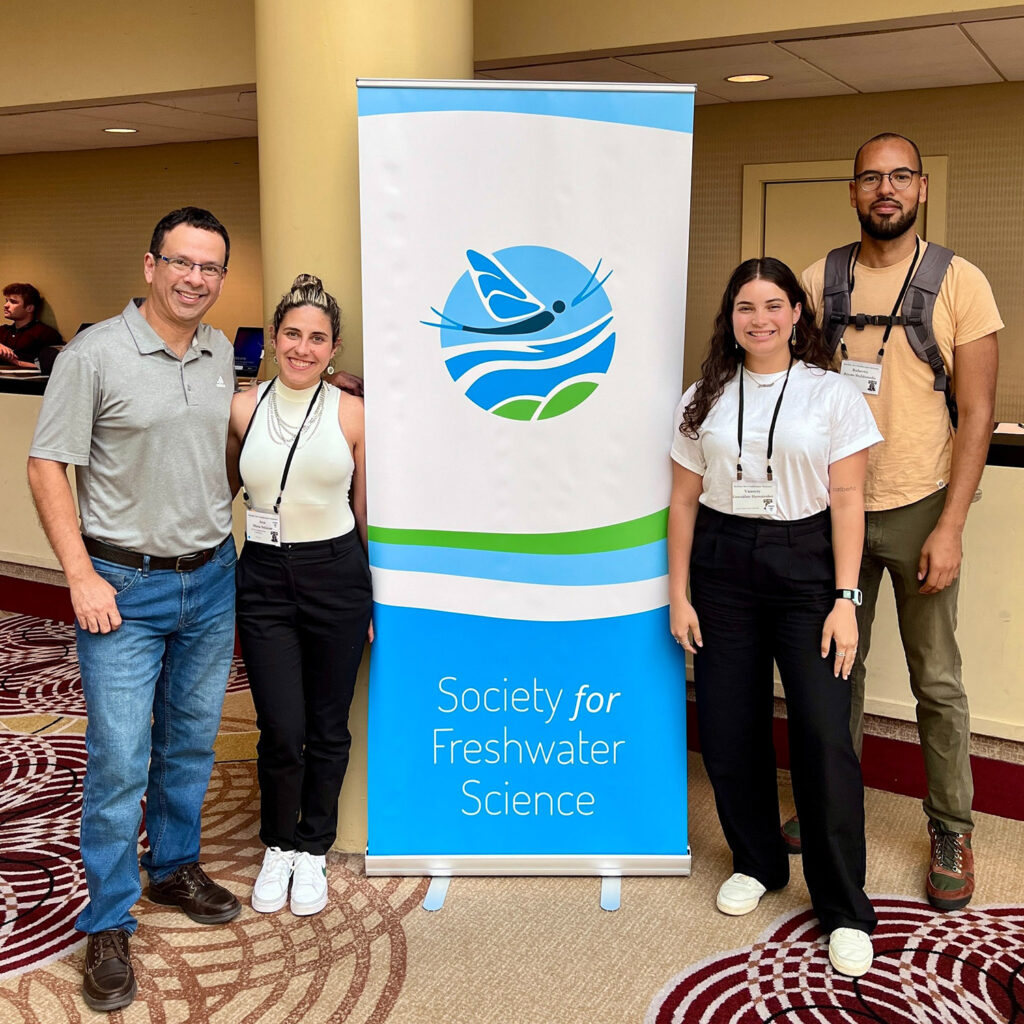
<point x="275" y="360"/>
<point x="330" y="369"/>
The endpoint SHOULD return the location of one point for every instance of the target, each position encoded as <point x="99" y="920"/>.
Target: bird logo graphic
<point x="527" y="331"/>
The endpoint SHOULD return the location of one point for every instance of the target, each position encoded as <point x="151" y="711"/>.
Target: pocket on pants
<point x="121" y="577"/>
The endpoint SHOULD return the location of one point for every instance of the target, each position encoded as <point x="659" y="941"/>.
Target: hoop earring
<point x="330" y="369"/>
<point x="274" y="357"/>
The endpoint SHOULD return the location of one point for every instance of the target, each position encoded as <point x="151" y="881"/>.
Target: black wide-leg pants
<point x="762" y="590"/>
<point x="302" y="611"/>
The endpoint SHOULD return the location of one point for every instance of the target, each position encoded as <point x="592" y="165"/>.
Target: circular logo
<point x="526" y="332"/>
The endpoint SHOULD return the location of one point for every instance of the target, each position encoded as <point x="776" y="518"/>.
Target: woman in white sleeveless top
<point x="295" y="446"/>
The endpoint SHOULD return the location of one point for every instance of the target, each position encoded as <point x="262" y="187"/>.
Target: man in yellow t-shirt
<point x="920" y="481"/>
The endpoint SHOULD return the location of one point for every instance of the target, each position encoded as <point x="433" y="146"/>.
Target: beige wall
<point x="505" y="29"/>
<point x="76" y="225"/>
<point x="981" y="130"/>
<point x="123" y="48"/>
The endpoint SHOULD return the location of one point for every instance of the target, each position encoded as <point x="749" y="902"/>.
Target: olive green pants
<point x="893" y="541"/>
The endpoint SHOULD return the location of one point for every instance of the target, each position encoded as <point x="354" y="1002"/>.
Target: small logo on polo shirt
<point x="220" y="382"/>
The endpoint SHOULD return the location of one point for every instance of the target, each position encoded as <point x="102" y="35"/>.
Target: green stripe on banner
<point x="632" y="534"/>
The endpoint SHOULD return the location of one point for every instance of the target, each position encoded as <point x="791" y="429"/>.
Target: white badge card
<point x="867" y="376"/>
<point x="263" y="527"/>
<point x="753" y="498"/>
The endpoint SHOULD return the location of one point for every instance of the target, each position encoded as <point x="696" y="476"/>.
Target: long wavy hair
<point x="724" y="356"/>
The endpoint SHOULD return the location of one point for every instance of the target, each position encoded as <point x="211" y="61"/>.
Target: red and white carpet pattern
<point x="930" y="967"/>
<point x="259" y="967"/>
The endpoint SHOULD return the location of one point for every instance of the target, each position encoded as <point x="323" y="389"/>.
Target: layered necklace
<point x="283" y="433"/>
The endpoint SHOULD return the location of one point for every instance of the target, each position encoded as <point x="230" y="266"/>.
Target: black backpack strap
<point x="918" y="310"/>
<point x="835" y="299"/>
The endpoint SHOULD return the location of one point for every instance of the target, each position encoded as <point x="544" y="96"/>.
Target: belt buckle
<point x="186" y="563"/>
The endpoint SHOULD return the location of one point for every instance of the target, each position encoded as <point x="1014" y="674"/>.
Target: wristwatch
<point x="851" y="595"/>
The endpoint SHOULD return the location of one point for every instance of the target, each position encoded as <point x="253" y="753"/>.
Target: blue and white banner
<point x="524" y="285"/>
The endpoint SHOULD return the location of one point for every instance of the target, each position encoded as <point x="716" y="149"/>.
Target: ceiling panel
<point x="607" y="69"/>
<point x="918" y="58"/>
<point x="791" y="76"/>
<point x="1003" y="43"/>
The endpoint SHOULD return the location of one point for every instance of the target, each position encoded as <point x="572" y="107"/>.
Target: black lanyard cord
<point x="291" y="452"/>
<point x="771" y="429"/>
<point x="899" y="298"/>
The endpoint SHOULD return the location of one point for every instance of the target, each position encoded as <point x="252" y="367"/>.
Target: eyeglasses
<point x="900" y="179"/>
<point x="183" y="266"/>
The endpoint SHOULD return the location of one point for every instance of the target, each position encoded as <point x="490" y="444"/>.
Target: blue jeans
<point x="154" y="690"/>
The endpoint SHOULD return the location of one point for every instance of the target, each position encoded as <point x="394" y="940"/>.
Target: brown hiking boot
<point x="950" y="883"/>
<point x="791" y="836"/>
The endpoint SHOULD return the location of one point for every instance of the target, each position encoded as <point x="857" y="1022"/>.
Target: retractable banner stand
<point x="524" y="252"/>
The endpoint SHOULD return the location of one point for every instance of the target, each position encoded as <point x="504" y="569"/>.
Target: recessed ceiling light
<point x="745" y="79"/>
<point x="121" y="131"/>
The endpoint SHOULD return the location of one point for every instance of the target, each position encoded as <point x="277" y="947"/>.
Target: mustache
<point x="880" y="202"/>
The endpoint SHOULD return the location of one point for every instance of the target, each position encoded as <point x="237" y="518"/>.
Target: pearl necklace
<point x="282" y="432"/>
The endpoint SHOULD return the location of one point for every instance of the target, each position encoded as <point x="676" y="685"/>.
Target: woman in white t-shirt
<point x="766" y="525"/>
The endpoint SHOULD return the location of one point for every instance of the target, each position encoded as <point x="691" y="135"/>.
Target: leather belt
<point x="179" y="563"/>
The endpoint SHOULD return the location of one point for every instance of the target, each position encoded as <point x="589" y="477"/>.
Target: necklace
<point x="769" y="384"/>
<point x="282" y="432"/>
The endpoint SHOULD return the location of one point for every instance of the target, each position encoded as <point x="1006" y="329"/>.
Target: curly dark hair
<point x="725" y="356"/>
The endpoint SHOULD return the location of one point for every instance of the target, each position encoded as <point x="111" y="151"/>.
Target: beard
<point x="891" y="227"/>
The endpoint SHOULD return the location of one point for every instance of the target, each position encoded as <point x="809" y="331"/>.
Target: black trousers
<point x="762" y="591"/>
<point x="302" y="611"/>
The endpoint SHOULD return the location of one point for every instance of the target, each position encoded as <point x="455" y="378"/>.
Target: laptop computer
<point x="248" y="351"/>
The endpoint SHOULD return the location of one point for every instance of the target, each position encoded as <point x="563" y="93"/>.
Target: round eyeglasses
<point x="900" y="179"/>
<point x="183" y="266"/>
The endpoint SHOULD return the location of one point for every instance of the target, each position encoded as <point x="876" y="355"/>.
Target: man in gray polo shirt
<point x="139" y="405"/>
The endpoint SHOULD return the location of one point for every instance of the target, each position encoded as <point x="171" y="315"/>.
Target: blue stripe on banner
<point x="672" y="111"/>
<point x="629" y="565"/>
<point x="498" y="736"/>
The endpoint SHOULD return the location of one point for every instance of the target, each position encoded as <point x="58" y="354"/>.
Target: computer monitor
<point x="248" y="351"/>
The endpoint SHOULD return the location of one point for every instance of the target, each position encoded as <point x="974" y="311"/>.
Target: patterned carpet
<point x="346" y="964"/>
<point x="929" y="967"/>
<point x="503" y="950"/>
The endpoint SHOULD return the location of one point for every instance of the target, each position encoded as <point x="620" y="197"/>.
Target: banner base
<point x="608" y="865"/>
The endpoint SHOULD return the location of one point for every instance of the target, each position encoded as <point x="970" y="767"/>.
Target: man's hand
<point x="940" y="559"/>
<point x="8" y="354"/>
<point x="93" y="599"/>
<point x="347" y="382"/>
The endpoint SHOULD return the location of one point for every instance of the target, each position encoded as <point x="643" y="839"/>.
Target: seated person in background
<point x="23" y="339"/>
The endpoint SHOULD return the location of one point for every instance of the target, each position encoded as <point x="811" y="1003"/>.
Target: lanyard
<point x="899" y="298"/>
<point x="291" y="453"/>
<point x="771" y="429"/>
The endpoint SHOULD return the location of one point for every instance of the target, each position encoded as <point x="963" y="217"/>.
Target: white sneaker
<point x="309" y="884"/>
<point x="850" y="951"/>
<point x="739" y="895"/>
<point x="270" y="892"/>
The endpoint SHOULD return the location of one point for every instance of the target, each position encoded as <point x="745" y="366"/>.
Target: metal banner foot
<point x="611" y="892"/>
<point x="436" y="892"/>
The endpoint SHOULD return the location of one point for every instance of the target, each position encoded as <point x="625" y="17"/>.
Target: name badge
<point x="867" y="376"/>
<point x="753" y="498"/>
<point x="263" y="527"/>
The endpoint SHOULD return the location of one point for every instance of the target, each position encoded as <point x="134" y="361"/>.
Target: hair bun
<point x="307" y="281"/>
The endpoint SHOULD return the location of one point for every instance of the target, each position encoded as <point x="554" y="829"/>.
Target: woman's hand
<point x="841" y="626"/>
<point x="369" y="633"/>
<point x="684" y="621"/>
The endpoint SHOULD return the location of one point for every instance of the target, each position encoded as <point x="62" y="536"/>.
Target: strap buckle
<point x="187" y="563"/>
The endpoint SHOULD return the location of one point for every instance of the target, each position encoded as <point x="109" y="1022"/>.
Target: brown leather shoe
<point x="191" y="889"/>
<point x="108" y="982"/>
